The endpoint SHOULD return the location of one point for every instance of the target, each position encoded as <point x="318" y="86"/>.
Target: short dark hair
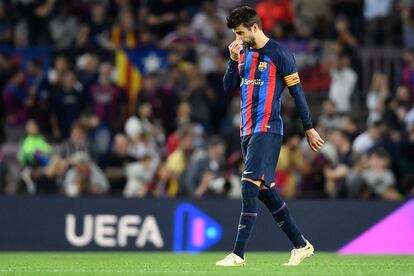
<point x="245" y="16"/>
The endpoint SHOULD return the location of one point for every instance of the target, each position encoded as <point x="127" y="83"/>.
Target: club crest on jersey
<point x="262" y="66"/>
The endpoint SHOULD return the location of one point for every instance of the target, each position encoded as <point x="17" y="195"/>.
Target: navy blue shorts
<point x="261" y="152"/>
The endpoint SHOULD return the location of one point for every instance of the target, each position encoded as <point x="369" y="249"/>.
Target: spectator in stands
<point x="377" y="95"/>
<point x="409" y="118"/>
<point x="172" y="141"/>
<point x="235" y="167"/>
<point x="6" y="26"/>
<point x="344" y="37"/>
<point x="407" y="18"/>
<point x="20" y="34"/>
<point x="88" y="66"/>
<point x="278" y="32"/>
<point x="330" y="118"/>
<point x="199" y="95"/>
<point x="343" y="84"/>
<point x="290" y="165"/>
<point x="68" y="105"/>
<point x="40" y="98"/>
<point x="378" y="28"/>
<point x="354" y="180"/>
<point x="77" y="142"/>
<point x="139" y="177"/>
<point x="15" y="103"/>
<point x="177" y="72"/>
<point x="271" y="12"/>
<point x="163" y="16"/>
<point x="210" y="25"/>
<point x="83" y="42"/>
<point x="379" y="178"/>
<point x="98" y="22"/>
<point x="164" y="184"/>
<point x="115" y="7"/>
<point x="230" y="126"/>
<point x="178" y="161"/>
<point x="37" y="14"/>
<point x="60" y="67"/>
<point x="368" y="138"/>
<point x="336" y="174"/>
<point x="123" y="34"/>
<point x="394" y="111"/>
<point x="64" y="27"/>
<point x="162" y="98"/>
<point x="221" y="101"/>
<point x="314" y="165"/>
<point x="150" y="125"/>
<point x="47" y="180"/>
<point x="116" y="163"/>
<point x="391" y="143"/>
<point x="34" y="150"/>
<point x="181" y="42"/>
<point x="85" y="178"/>
<point x="350" y="126"/>
<point x="407" y="71"/>
<point x="142" y="146"/>
<point x="205" y="176"/>
<point x="402" y="98"/>
<point x="310" y="13"/>
<point x="108" y="101"/>
<point x="184" y="115"/>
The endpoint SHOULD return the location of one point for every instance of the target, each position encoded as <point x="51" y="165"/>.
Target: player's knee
<point x="271" y="199"/>
<point x="250" y="193"/>
<point x="249" y="187"/>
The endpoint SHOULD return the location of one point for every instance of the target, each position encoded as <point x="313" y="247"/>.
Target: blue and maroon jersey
<point x="262" y="75"/>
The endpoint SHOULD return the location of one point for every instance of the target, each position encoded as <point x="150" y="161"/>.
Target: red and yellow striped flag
<point x="129" y="78"/>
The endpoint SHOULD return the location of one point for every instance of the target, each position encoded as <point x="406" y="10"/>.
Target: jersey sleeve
<point x="231" y="78"/>
<point x="286" y="65"/>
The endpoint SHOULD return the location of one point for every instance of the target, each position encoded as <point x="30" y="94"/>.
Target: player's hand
<point x="234" y="48"/>
<point x="314" y="140"/>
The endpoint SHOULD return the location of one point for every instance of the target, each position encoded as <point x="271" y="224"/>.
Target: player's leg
<point x="281" y="214"/>
<point x="276" y="206"/>
<point x="250" y="193"/>
<point x="283" y="218"/>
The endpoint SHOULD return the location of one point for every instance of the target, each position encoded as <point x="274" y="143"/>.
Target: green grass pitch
<point x="258" y="264"/>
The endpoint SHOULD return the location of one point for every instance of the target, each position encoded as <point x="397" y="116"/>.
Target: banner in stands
<point x="77" y="224"/>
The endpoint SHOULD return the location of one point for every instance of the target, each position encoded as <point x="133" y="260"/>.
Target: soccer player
<point x="263" y="68"/>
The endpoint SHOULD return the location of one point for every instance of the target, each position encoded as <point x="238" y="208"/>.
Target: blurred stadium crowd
<point x="71" y="127"/>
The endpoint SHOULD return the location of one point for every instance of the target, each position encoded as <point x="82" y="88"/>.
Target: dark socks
<point x="280" y="212"/>
<point x="250" y="192"/>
